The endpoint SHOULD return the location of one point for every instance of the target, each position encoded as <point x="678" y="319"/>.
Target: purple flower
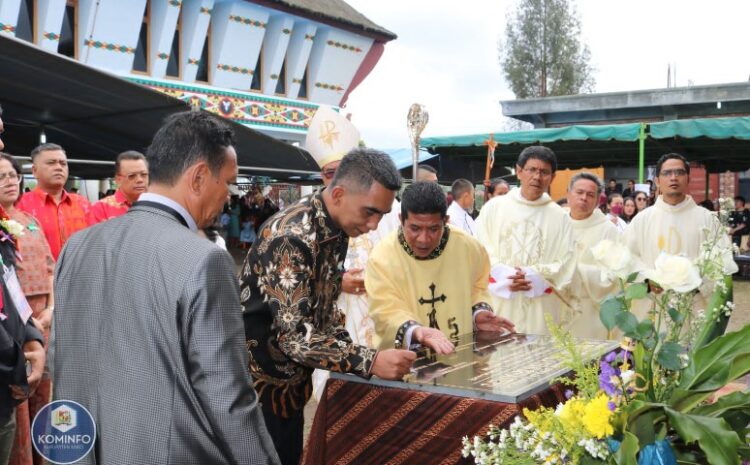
<point x="568" y="394"/>
<point x="605" y="378"/>
<point x="610" y="357"/>
<point x="611" y="406"/>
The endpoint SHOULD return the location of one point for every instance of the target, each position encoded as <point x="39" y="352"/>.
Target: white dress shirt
<point x="460" y="218"/>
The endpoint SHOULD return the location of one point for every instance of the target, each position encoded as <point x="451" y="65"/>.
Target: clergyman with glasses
<point x="675" y="224"/>
<point x="131" y="176"/>
<point x="530" y="242"/>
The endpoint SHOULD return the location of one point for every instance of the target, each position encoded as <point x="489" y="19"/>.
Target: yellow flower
<point x="596" y="416"/>
<point x="571" y="414"/>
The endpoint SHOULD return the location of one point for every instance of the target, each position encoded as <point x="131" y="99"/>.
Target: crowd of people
<point x="144" y="322"/>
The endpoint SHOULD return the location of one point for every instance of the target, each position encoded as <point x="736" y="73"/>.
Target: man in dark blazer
<point x="148" y="323"/>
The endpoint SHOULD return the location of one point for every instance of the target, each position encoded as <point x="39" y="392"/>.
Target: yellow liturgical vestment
<point x="536" y="234"/>
<point x="441" y="291"/>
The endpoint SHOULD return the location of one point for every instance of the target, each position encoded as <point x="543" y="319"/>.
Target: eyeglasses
<point x="640" y="199"/>
<point x="9" y="178"/>
<point x="536" y="171"/>
<point x="329" y="173"/>
<point x="669" y="173"/>
<point x="134" y="176"/>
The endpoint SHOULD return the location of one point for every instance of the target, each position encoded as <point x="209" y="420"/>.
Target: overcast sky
<point x="445" y="57"/>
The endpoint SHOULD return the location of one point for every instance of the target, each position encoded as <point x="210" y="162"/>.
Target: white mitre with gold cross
<point x="330" y="136"/>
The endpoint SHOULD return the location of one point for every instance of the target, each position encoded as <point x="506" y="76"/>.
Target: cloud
<point x="446" y="57"/>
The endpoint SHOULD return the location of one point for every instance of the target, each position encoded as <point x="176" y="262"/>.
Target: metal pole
<point x="708" y="181"/>
<point x="641" y="152"/>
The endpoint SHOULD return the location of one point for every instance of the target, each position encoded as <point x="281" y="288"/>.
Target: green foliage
<point x="542" y="54"/>
<point x="712" y="367"/>
<point x="586" y="380"/>
<point x="669" y="356"/>
<point x="626" y="454"/>
<point x="715" y="438"/>
<point x="717" y="321"/>
<point x="636" y="291"/>
<point x="609" y="311"/>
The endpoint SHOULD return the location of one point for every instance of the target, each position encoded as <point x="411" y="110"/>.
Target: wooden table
<point x="489" y="379"/>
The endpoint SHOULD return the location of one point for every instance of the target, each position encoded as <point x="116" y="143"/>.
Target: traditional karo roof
<point x="327" y="11"/>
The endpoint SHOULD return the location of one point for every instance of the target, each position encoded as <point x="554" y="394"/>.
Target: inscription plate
<point x="506" y="368"/>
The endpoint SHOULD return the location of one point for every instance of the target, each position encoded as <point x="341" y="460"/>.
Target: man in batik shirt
<point x="290" y="282"/>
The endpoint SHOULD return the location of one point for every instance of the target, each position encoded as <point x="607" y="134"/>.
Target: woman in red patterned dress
<point x="35" y="271"/>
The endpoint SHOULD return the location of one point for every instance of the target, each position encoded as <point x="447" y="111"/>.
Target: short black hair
<point x="461" y="186"/>
<point x="427" y="168"/>
<point x="613" y="196"/>
<point x="423" y="197"/>
<point x="538" y="152"/>
<point x="671" y="156"/>
<point x="48" y="147"/>
<point x="185" y="139"/>
<point x="362" y="166"/>
<point x="589" y="177"/>
<point x="613" y="180"/>
<point x="740" y="198"/>
<point x="128" y="155"/>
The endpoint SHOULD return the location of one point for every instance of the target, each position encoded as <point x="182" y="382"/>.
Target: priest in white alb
<point x="589" y="285"/>
<point x="330" y="137"/>
<point x="427" y="282"/>
<point x="675" y="225"/>
<point x="530" y="242"/>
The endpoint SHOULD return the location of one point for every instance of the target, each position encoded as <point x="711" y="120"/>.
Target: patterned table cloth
<point x="363" y="424"/>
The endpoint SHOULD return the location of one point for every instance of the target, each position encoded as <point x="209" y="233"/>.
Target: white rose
<point x="627" y="376"/>
<point x="613" y="257"/>
<point x="14" y="228"/>
<point x="674" y="273"/>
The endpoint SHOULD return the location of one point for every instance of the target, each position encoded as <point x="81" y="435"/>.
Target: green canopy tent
<point x="720" y="144"/>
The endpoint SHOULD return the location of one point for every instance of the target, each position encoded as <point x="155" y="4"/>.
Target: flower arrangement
<point x="14" y="228"/>
<point x="652" y="401"/>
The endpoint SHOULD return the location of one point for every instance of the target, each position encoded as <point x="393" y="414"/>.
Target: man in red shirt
<point x="60" y="213"/>
<point x="131" y="175"/>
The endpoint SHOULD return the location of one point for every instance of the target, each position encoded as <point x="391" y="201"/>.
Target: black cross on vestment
<point x="433" y="313"/>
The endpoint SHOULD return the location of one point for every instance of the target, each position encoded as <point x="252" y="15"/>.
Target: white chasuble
<point x="536" y="234"/>
<point x="677" y="230"/>
<point x="588" y="288"/>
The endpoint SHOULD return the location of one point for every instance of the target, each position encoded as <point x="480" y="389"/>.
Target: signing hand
<point x="519" y="282"/>
<point x="393" y="363"/>
<point x="488" y="321"/>
<point x="352" y="282"/>
<point x="434" y="339"/>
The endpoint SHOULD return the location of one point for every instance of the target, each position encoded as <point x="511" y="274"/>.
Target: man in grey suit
<point x="148" y="322"/>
